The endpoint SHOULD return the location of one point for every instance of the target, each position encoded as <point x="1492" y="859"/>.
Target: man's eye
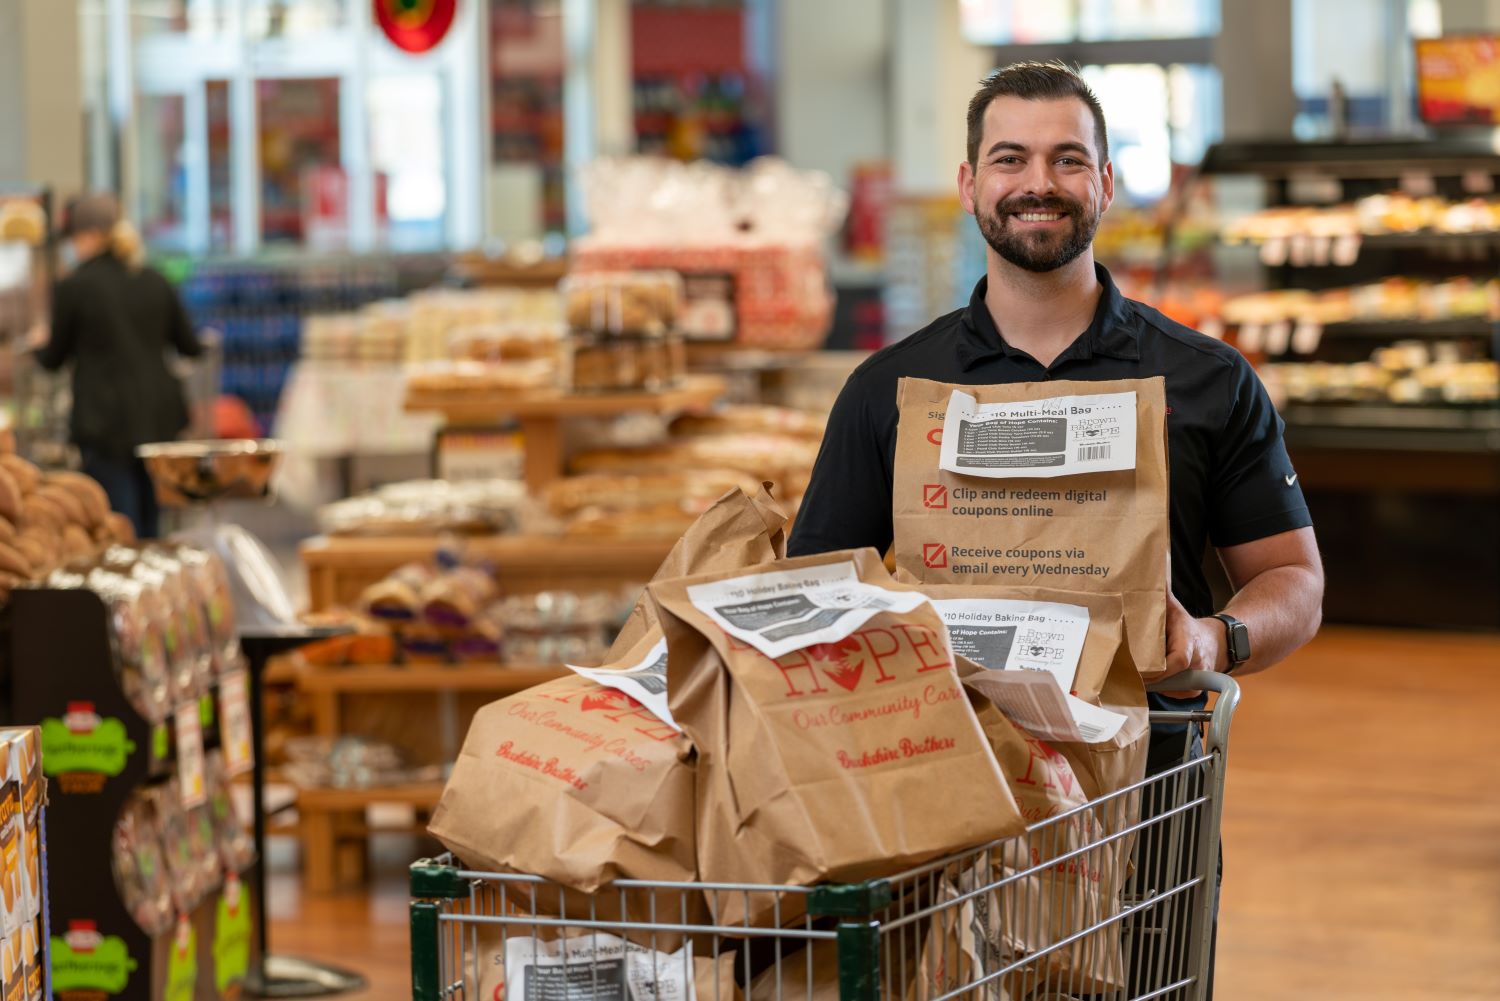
<point x="1069" y="161"/>
<point x="1008" y="160"/>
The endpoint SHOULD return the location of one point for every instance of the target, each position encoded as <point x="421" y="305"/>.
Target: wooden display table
<point x="542" y="415"/>
<point x="332" y="822"/>
<point x="339" y="568"/>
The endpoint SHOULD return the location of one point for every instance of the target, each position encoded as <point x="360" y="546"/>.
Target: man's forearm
<point x="1282" y="608"/>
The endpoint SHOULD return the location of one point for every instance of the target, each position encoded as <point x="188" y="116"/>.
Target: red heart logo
<point x="842" y="662"/>
<point x="609" y="698"/>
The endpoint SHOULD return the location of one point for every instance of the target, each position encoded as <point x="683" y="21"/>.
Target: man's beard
<point x="1039" y="251"/>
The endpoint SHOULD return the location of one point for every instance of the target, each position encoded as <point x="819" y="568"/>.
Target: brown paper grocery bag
<point x="738" y="530"/>
<point x="1089" y="531"/>
<point x="582" y="785"/>
<point x="834" y="740"/>
<point x="1044" y="907"/>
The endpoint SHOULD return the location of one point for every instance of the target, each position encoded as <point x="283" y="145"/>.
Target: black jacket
<point x="115" y="324"/>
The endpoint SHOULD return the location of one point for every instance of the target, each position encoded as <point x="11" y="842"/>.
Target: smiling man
<point x="1037" y="180"/>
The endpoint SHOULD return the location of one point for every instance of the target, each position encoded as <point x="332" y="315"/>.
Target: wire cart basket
<point x="1113" y="900"/>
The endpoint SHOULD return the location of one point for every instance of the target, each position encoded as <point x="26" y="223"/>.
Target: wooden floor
<point x="1362" y="835"/>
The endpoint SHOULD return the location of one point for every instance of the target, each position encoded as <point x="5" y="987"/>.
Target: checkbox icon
<point x="934" y="495"/>
<point x="935" y="555"/>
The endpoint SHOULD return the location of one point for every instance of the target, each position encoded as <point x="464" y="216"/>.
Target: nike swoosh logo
<point x="1291" y="480"/>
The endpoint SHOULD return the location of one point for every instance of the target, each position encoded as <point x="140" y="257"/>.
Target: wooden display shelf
<point x="542" y="414"/>
<point x="331" y="822"/>
<point x="476" y="408"/>
<point x="387" y="678"/>
<point x="339" y="568"/>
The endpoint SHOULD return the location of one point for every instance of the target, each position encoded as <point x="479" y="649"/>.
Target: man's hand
<point x="1192" y="644"/>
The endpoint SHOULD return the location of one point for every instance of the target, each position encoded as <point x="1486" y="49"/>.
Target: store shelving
<point x="542" y="415"/>
<point x="1422" y="477"/>
<point x="340" y="568"/>
<point x="328" y="817"/>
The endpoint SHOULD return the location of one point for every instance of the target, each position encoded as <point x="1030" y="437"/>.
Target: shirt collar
<point x="1114" y="331"/>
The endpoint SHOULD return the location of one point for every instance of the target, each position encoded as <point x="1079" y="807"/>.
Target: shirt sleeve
<point x="180" y="334"/>
<point x="848" y="500"/>
<point x="62" y="332"/>
<point x="1255" y="492"/>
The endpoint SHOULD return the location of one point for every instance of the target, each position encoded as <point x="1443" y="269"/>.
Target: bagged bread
<point x="1045" y="906"/>
<point x="1058" y="484"/>
<point x="834" y="740"/>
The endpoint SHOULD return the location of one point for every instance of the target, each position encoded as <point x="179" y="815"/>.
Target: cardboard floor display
<point x="831" y="729"/>
<point x="1060" y="484"/>
<point x="581" y="782"/>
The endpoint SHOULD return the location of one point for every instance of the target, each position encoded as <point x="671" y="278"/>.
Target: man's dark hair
<point x="1034" y="81"/>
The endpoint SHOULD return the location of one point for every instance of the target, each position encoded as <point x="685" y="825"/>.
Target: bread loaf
<point x="121" y="528"/>
<point x="10" y="497"/>
<point x="14" y="561"/>
<point x="89" y="493"/>
<point x="72" y="508"/>
<point x="26" y="475"/>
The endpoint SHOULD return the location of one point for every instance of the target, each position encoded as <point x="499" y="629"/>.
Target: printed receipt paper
<point x="1063" y="436"/>
<point x="1031" y="650"/>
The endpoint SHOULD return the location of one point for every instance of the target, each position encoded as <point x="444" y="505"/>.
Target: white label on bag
<point x="234" y="723"/>
<point x="646" y="682"/>
<point x="1064" y="436"/>
<point x="1005" y="634"/>
<point x="786" y="610"/>
<point x="596" y="967"/>
<point x="1033" y="702"/>
<point x="190" y="755"/>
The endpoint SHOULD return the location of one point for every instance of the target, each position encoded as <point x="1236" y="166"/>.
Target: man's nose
<point x="1039" y="179"/>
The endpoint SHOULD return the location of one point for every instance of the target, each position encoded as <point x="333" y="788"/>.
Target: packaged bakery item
<point x="455" y="598"/>
<point x="209" y="581"/>
<point x="398" y="598"/>
<point x="599" y="363"/>
<point x="829" y="723"/>
<point x="693" y="491"/>
<point x="33" y="960"/>
<point x="182" y="593"/>
<point x="231" y="830"/>
<point x="181" y="843"/>
<point x="638" y="303"/>
<point x="1043" y="484"/>
<point x="23" y="746"/>
<point x="135" y="637"/>
<point x="140" y="867"/>
<point x="14" y="911"/>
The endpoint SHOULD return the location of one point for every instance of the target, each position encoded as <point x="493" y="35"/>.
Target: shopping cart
<point x="1007" y="921"/>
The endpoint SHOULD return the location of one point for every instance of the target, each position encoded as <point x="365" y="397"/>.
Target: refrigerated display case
<point x="1377" y="324"/>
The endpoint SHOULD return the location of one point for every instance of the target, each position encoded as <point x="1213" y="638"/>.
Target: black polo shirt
<point x="1231" y="480"/>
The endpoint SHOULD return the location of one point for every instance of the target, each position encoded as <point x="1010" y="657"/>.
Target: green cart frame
<point x="1005" y="921"/>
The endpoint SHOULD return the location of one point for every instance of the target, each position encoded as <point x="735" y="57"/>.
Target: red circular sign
<point x="415" y="25"/>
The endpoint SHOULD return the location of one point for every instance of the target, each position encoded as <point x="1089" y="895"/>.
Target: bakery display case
<point x="1369" y="281"/>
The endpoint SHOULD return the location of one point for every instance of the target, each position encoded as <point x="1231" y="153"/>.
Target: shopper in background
<point x="114" y="319"/>
<point x="1037" y="180"/>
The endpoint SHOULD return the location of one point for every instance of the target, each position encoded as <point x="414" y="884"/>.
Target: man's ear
<point x="966" y="186"/>
<point x="1108" y="180"/>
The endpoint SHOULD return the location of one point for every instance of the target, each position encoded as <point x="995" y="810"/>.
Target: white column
<point x="597" y="104"/>
<point x="244" y="152"/>
<point x="934" y="73"/>
<point x="354" y="133"/>
<point x="467" y="128"/>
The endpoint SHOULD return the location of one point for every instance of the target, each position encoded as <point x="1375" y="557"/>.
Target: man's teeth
<point x="1040" y="216"/>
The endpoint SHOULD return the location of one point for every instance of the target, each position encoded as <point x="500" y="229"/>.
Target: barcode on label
<point x="1090" y="732"/>
<point x="1092" y="453"/>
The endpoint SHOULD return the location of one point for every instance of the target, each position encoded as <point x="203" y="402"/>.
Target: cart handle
<point x="1216" y="734"/>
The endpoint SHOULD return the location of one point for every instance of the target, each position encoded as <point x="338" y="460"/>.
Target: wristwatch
<point x="1237" y="640"/>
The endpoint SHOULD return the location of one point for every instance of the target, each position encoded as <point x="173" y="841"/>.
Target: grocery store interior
<point x="489" y="300"/>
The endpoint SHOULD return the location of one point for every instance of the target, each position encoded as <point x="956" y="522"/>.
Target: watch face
<point x="1239" y="643"/>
